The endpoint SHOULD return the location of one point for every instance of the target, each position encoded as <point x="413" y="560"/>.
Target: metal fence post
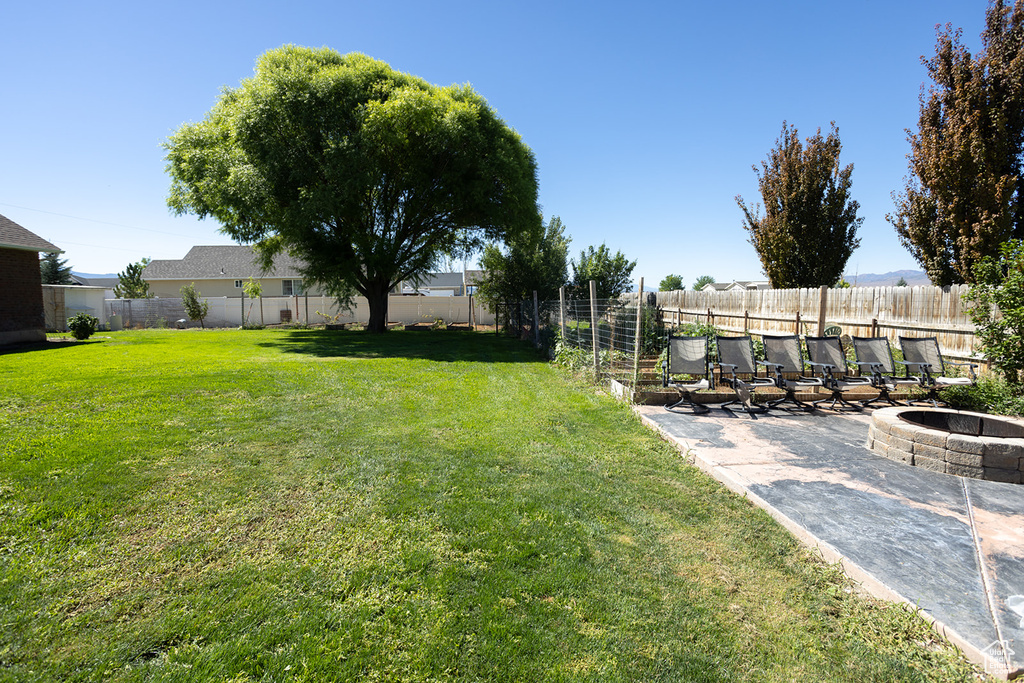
<point x="536" y="321"/>
<point x="593" y="329"/>
<point x="561" y="310"/>
<point x="639" y="335"/>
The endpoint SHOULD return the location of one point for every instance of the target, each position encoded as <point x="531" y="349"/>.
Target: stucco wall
<point x="21" y="307"/>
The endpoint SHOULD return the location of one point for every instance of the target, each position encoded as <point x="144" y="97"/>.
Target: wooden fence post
<point x="593" y="328"/>
<point x="822" y="301"/>
<point x="798" y="323"/>
<point x="874" y="327"/>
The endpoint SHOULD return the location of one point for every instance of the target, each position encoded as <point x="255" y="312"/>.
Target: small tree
<point x="702" y="282"/>
<point x="532" y="263"/>
<point x="610" y="273"/>
<point x="671" y="283"/>
<point x="130" y="283"/>
<point x="53" y="270"/>
<point x="254" y="290"/>
<point x="901" y="282"/>
<point x="810" y="224"/>
<point x="997" y="309"/>
<point x="195" y="308"/>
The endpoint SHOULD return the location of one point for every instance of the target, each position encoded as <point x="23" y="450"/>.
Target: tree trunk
<point x="377" y="297"/>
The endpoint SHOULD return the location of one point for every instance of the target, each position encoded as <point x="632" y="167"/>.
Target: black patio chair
<point x="828" y="359"/>
<point x="736" y="357"/>
<point x="687" y="356"/>
<point x="875" y="355"/>
<point x="922" y="355"/>
<point x="782" y="356"/>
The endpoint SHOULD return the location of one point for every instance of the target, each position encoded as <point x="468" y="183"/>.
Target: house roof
<point x="13" y="236"/>
<point x="231" y="262"/>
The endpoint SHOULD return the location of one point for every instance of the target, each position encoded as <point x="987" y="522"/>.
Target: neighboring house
<point x="220" y="271"/>
<point x="434" y="284"/>
<point x="734" y="285"/>
<point x="21" y="306"/>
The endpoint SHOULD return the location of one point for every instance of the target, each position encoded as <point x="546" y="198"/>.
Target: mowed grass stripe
<point x="312" y="505"/>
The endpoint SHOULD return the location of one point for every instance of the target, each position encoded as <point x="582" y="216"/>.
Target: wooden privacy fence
<point x="860" y="311"/>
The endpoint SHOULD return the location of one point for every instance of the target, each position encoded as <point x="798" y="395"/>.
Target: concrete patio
<point x="952" y="546"/>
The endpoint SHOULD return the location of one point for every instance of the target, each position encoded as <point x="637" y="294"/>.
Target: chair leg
<point x="687" y="401"/>
<point x="883" y="395"/>
<point x="790" y="397"/>
<point x="744" y="396"/>
<point x="837" y="397"/>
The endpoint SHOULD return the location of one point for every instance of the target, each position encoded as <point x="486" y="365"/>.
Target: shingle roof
<point x="229" y="262"/>
<point x="13" y="236"/>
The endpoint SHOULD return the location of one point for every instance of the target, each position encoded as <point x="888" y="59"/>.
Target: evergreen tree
<point x="810" y="224"/>
<point x="130" y="283"/>
<point x="963" y="197"/>
<point x="53" y="270"/>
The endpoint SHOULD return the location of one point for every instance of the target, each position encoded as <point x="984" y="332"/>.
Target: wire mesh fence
<point x="618" y="339"/>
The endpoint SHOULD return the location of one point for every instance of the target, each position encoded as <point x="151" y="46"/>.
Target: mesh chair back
<point x="920" y="350"/>
<point x="738" y="351"/>
<point x="784" y="350"/>
<point x="874" y="350"/>
<point x="687" y="355"/>
<point x="828" y="350"/>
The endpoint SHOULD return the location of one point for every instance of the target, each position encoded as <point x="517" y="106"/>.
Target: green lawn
<point x="308" y="505"/>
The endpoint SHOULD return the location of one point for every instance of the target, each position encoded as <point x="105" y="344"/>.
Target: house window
<point x="238" y="284"/>
<point x="291" y="287"/>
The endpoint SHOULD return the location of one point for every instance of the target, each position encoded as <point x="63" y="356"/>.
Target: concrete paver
<point x="954" y="547"/>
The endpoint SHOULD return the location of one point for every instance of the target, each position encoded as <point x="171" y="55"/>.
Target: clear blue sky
<point x="645" y="117"/>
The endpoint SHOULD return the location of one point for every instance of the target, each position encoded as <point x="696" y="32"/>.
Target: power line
<point x="92" y="220"/>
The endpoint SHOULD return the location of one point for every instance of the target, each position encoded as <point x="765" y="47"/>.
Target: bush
<point x="997" y="310"/>
<point x="83" y="326"/>
<point x="992" y="394"/>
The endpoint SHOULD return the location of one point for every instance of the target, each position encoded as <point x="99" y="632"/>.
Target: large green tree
<point x="54" y="270"/>
<point x="963" y="196"/>
<point x="610" y="273"/>
<point x="529" y="263"/>
<point x="367" y="174"/>
<point x="810" y="224"/>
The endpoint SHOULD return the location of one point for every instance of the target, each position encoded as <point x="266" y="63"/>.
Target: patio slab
<point x="950" y="546"/>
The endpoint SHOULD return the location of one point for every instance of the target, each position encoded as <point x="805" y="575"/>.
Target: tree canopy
<point x="702" y="282"/>
<point x="963" y="196"/>
<point x="54" y="270"/>
<point x="611" y="273"/>
<point x="530" y="263"/>
<point x="671" y="283"/>
<point x="367" y="174"/>
<point x="810" y="224"/>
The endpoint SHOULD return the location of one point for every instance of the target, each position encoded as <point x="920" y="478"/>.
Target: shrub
<point x="997" y="310"/>
<point x="195" y="308"/>
<point x="83" y="326"/>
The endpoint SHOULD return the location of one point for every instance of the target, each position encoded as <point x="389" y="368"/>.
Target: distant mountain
<point x="92" y="275"/>
<point x="914" y="278"/>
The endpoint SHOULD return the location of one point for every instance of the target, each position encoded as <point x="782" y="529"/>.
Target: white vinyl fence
<point x="231" y="311"/>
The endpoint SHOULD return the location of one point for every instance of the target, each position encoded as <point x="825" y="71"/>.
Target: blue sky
<point x="645" y="118"/>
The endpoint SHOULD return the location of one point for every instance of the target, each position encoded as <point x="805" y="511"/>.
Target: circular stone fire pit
<point x="951" y="441"/>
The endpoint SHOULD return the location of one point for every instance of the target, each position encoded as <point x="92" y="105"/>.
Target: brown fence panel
<point x="860" y="311"/>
